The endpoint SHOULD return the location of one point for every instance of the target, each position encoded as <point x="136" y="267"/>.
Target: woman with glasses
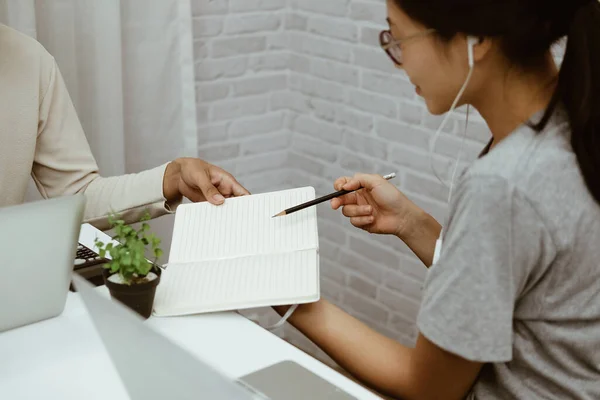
<point x="511" y="305"/>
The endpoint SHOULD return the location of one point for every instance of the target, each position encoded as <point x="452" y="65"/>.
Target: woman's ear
<point x="481" y="47"/>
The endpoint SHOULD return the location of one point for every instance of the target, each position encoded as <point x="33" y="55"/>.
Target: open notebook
<point x="237" y="256"/>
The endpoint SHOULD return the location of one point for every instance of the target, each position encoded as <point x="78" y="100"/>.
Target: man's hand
<point x="199" y="181"/>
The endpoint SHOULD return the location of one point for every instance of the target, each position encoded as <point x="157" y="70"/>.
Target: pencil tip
<point x="278" y="215"/>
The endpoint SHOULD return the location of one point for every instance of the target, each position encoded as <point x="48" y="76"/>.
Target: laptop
<point x="149" y="364"/>
<point x="38" y="241"/>
<point x="167" y="371"/>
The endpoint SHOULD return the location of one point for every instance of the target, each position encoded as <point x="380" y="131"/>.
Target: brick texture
<point x="297" y="92"/>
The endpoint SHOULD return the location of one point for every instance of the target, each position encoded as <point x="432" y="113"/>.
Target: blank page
<point x="236" y="255"/>
<point x="243" y="226"/>
<point x="246" y="282"/>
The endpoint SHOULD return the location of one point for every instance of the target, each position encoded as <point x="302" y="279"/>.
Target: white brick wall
<point x="241" y="69"/>
<point x="297" y="92"/>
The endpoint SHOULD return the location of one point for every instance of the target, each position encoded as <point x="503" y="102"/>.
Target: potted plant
<point x="130" y="277"/>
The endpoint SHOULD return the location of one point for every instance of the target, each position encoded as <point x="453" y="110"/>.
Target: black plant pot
<point x="137" y="296"/>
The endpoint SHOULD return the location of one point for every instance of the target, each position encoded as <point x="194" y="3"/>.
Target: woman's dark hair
<point x="526" y="30"/>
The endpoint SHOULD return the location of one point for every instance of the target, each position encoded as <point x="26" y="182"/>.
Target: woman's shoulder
<point x="526" y="156"/>
<point x="542" y="168"/>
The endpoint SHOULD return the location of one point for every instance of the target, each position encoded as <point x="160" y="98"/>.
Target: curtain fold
<point x="128" y="65"/>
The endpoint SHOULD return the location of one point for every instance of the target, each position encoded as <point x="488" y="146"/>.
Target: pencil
<point x="323" y="199"/>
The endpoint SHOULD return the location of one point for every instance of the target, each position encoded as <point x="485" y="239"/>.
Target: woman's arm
<point x="422" y="236"/>
<point x="423" y="372"/>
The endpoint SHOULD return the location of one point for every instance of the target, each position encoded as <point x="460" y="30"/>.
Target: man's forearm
<point x="374" y="359"/>
<point x="130" y="196"/>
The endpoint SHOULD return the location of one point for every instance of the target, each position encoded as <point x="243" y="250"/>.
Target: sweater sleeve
<point x="64" y="164"/>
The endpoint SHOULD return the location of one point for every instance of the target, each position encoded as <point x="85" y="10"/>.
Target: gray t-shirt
<point x="517" y="285"/>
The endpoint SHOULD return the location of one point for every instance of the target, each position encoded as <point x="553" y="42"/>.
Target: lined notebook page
<point x="238" y="283"/>
<point x="243" y="226"/>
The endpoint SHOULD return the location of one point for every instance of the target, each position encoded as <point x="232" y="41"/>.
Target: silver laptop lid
<point x="38" y="242"/>
<point x="149" y="364"/>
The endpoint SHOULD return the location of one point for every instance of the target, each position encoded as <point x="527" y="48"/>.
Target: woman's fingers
<point x="351" y="184"/>
<point x="357" y="211"/>
<point x="361" y="222"/>
<point x="347" y="199"/>
<point x="367" y="181"/>
<point x="340" y="182"/>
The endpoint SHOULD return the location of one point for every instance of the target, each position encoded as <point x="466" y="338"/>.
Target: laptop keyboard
<point x="86" y="258"/>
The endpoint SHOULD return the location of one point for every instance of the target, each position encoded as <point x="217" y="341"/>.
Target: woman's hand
<point x="379" y="207"/>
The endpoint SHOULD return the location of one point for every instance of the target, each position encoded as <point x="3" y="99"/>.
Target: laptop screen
<point x="149" y="364"/>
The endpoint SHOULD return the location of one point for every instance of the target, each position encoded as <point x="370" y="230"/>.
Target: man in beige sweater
<point x="41" y="137"/>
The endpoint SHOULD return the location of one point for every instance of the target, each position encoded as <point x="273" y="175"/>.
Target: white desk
<point x="64" y="358"/>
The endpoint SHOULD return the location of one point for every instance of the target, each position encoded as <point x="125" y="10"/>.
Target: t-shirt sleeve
<point x="494" y="241"/>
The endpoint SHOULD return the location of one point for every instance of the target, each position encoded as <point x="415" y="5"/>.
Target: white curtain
<point x="129" y="68"/>
<point x="128" y="65"/>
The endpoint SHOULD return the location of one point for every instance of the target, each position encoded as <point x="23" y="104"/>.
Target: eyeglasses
<point x="392" y="46"/>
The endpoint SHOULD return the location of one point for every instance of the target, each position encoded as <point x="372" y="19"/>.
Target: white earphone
<point x="471" y="42"/>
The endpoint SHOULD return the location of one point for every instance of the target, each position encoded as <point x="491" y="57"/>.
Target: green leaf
<point x="126" y="260"/>
<point x="146" y="216"/>
<point x="114" y="267"/>
<point x="158" y="253"/>
<point x="145" y="268"/>
<point x="114" y="252"/>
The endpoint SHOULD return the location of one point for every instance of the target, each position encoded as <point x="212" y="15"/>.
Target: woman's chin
<point x="436" y="108"/>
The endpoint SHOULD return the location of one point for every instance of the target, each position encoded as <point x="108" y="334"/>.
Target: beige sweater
<point x="41" y="137"/>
